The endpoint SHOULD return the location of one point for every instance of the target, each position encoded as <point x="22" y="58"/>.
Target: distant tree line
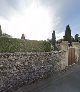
<point x="13" y="45"/>
<point x="67" y="37"/>
<point x="4" y="34"/>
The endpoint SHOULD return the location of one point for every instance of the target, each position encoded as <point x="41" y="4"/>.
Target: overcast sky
<point x="38" y="18"/>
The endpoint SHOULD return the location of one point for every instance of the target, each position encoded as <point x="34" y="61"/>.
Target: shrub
<point x="18" y="45"/>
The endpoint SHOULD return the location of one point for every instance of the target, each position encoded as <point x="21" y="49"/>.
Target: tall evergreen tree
<point x="0" y="31"/>
<point x="53" y="39"/>
<point x="67" y="36"/>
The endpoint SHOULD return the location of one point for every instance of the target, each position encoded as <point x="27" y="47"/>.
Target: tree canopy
<point x="23" y="36"/>
<point x="0" y="31"/>
<point x="4" y="34"/>
<point x="53" y="39"/>
<point x="67" y="36"/>
<point x="76" y="37"/>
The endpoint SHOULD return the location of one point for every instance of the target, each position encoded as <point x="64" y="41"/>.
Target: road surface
<point x="64" y="82"/>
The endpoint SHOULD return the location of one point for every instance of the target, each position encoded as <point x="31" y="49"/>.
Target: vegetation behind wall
<point x="19" y="45"/>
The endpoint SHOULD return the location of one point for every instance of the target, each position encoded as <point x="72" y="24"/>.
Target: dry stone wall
<point x="76" y="45"/>
<point x="17" y="69"/>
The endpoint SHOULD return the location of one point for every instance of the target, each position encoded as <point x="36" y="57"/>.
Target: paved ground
<point x="68" y="81"/>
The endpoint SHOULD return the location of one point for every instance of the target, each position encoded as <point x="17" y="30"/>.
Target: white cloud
<point x="18" y="16"/>
<point x="36" y="22"/>
<point x="59" y="35"/>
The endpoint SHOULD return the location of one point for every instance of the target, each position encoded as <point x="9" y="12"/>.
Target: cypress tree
<point x="67" y="36"/>
<point x="0" y="31"/>
<point x="53" y="39"/>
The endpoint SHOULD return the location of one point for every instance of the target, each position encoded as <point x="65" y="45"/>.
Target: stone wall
<point x="64" y="45"/>
<point x="76" y="45"/>
<point x="17" y="69"/>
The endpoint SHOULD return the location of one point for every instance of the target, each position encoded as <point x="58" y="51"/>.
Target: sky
<point x="38" y="18"/>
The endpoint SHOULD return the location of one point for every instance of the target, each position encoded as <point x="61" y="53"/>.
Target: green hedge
<point x="18" y="45"/>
